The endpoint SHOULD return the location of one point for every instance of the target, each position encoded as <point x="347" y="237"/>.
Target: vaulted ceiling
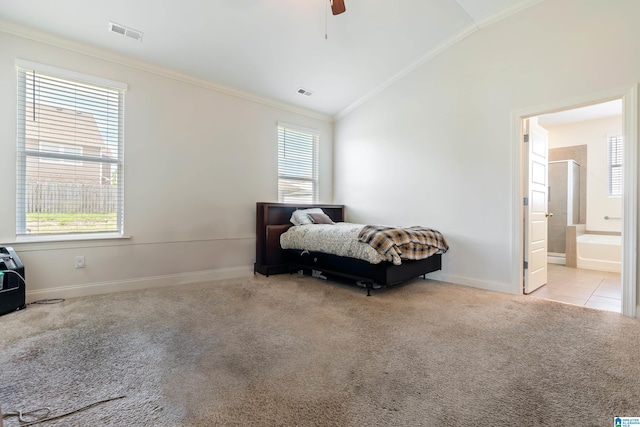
<point x="271" y="48"/>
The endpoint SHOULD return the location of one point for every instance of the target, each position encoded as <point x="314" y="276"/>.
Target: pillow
<point x="301" y="217"/>
<point x="320" y="218"/>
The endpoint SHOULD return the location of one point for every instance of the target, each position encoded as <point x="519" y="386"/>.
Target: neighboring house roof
<point x="52" y="124"/>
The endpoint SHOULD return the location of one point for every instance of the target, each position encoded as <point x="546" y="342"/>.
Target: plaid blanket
<point x="409" y="243"/>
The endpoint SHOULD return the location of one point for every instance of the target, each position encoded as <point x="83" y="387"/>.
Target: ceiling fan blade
<point x="337" y="7"/>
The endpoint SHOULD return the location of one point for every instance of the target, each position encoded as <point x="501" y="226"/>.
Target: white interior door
<point x="536" y="215"/>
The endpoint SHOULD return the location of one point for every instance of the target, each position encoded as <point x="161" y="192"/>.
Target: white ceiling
<point x="590" y="112"/>
<point x="271" y="47"/>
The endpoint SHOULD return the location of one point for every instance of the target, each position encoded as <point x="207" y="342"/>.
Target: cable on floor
<point x="44" y="413"/>
<point x="48" y="301"/>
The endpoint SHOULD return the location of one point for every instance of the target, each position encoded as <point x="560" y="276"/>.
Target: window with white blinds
<point x="615" y="165"/>
<point x="70" y="152"/>
<point x="298" y="165"/>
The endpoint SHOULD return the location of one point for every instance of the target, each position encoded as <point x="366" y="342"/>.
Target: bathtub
<point x="599" y="252"/>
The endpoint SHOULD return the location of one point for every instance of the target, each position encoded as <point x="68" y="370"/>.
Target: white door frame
<point x="629" y="97"/>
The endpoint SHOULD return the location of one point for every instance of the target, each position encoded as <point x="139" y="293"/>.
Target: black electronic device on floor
<point x="13" y="286"/>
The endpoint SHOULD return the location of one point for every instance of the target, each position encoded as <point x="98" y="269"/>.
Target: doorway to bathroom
<point x="591" y="261"/>
<point x="584" y="206"/>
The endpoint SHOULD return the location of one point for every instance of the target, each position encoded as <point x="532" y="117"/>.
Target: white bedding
<point x="338" y="239"/>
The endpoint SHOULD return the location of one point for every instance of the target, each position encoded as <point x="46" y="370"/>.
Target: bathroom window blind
<point x="615" y="165"/>
<point x="69" y="152"/>
<point x="298" y="165"/>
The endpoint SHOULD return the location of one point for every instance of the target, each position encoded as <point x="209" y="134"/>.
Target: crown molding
<point x="490" y="20"/>
<point x="424" y="59"/>
<point x="464" y="33"/>
<point x="116" y="58"/>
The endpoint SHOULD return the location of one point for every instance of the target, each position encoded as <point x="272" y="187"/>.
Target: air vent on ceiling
<point x="305" y="92"/>
<point x="125" y="31"/>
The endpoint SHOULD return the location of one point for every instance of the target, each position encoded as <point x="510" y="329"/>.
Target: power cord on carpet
<point x="40" y="301"/>
<point x="48" y="301"/>
<point x="44" y="413"/>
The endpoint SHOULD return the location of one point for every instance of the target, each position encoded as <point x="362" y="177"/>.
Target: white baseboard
<point x="504" y="288"/>
<point x="553" y="259"/>
<point x="139" y="283"/>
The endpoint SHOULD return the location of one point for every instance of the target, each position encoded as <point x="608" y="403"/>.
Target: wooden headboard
<point x="272" y="219"/>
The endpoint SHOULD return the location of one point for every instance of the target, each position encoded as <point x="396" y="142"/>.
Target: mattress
<point x="337" y="239"/>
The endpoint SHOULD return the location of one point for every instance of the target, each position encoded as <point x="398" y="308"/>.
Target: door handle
<point x="549" y="215"/>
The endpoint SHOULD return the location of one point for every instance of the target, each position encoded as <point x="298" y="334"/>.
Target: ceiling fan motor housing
<point x="337" y="7"/>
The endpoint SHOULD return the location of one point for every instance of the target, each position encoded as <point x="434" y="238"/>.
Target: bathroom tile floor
<point x="590" y="288"/>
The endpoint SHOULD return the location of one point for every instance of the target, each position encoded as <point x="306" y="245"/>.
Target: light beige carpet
<point x="296" y="351"/>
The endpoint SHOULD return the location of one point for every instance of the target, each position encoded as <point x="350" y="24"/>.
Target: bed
<point x="273" y="220"/>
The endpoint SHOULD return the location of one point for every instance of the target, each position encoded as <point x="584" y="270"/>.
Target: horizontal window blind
<point x="298" y="165"/>
<point x="70" y="155"/>
<point x="615" y="165"/>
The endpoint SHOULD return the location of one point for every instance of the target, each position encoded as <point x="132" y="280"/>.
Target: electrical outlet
<point x="80" y="261"/>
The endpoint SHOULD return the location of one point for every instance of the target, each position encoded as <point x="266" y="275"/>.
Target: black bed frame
<point x="272" y="219"/>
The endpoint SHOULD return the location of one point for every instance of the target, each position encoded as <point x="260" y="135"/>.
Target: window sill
<point x="35" y="238"/>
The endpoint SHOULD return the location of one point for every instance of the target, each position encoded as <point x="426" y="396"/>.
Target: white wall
<point x="594" y="134"/>
<point x="435" y="148"/>
<point x="196" y="162"/>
